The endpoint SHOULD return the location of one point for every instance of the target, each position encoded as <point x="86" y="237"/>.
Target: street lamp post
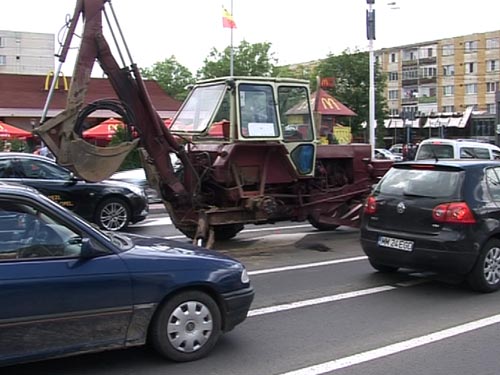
<point x="370" y="34"/>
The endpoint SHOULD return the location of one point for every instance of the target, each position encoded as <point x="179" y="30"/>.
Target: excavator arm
<point x="62" y="133"/>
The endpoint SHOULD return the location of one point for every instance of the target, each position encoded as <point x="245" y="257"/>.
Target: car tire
<point x="382" y="267"/>
<point x="186" y="327"/>
<point x="221" y="232"/>
<point x="485" y="276"/>
<point x="112" y="214"/>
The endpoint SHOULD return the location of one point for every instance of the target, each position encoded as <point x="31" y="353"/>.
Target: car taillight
<point x="453" y="212"/>
<point x="370" y="205"/>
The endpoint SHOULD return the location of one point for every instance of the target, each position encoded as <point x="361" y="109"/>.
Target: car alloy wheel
<point x="485" y="276"/>
<point x="113" y="214"/>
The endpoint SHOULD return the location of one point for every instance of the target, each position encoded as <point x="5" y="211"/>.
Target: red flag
<point x="227" y="19"/>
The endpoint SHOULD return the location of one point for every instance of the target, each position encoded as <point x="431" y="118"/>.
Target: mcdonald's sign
<point x="48" y="81"/>
<point x="327" y="83"/>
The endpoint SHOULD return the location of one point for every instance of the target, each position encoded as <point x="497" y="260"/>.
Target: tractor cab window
<point x="295" y="114"/>
<point x="257" y="111"/>
<point x="198" y="109"/>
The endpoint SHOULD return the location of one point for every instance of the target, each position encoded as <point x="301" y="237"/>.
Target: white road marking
<point x="401" y="346"/>
<point x="306" y="265"/>
<point x="153" y="222"/>
<point x="317" y="301"/>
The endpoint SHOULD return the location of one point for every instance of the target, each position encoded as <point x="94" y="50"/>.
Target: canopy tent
<point x="327" y="105"/>
<point x="11" y="132"/>
<point x="105" y="130"/>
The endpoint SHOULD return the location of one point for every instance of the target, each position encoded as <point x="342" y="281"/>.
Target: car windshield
<point x="420" y="182"/>
<point x="433" y="151"/>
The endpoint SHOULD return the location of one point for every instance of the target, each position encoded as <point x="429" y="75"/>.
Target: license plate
<point x="395" y="243"/>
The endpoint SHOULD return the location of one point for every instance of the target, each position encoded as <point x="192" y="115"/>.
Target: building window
<point x="393" y="76"/>
<point x="491" y="108"/>
<point x="394" y="112"/>
<point x="448" y="50"/>
<point x="470" y="46"/>
<point x="394" y="57"/>
<point x="393" y="95"/>
<point x="410" y="73"/>
<point x="493" y="43"/>
<point x="449" y="108"/>
<point x="3" y="60"/>
<point x="428" y="72"/>
<point x="492" y="87"/>
<point x="448" y="70"/>
<point x="471" y="88"/>
<point x="492" y="65"/>
<point x="448" y="90"/>
<point x="2" y="42"/>
<point x="409" y="56"/>
<point x="470" y="67"/>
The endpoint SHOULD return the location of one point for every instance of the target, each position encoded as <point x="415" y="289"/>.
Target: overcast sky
<point x="299" y="31"/>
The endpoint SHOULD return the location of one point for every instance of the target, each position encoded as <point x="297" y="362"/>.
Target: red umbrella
<point x="105" y="130"/>
<point x="9" y="132"/>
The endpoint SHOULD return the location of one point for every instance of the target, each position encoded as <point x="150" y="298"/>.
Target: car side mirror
<point x="91" y="250"/>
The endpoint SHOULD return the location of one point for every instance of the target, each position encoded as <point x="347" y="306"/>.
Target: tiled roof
<point x="26" y="92"/>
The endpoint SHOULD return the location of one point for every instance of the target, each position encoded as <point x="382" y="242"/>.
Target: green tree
<point x="352" y="86"/>
<point x="171" y="76"/>
<point x="248" y="60"/>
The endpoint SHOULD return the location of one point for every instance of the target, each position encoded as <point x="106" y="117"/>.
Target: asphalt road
<point x="321" y="309"/>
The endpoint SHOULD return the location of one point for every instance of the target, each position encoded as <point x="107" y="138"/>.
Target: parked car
<point x="382" y="153"/>
<point x="69" y="288"/>
<point x="112" y="205"/>
<point x="439" y="216"/>
<point x="397" y="149"/>
<point x="137" y="176"/>
<point x="436" y="148"/>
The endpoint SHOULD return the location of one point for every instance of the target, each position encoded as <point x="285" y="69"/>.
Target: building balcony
<point x="406" y="63"/>
<point x="427" y="99"/>
<point x="427" y="61"/>
<point x="409" y="82"/>
<point x="425" y="80"/>
<point x="410" y="100"/>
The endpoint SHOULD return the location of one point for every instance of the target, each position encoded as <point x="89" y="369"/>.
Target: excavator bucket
<point x="90" y="162"/>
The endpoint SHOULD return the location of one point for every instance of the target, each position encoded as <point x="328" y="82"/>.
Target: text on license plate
<point x="395" y="243"/>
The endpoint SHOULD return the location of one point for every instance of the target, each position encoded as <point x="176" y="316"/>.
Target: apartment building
<point x="444" y="80"/>
<point x="26" y="52"/>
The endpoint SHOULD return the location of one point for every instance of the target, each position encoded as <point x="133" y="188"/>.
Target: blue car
<point x="68" y="288"/>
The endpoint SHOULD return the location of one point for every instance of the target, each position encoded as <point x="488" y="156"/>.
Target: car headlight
<point x="137" y="190"/>
<point x="244" y="277"/>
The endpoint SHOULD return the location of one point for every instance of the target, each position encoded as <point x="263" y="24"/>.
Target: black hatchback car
<point x="112" y="205"/>
<point x="439" y="216"/>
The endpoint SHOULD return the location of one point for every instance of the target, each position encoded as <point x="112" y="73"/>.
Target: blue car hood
<point x="157" y="249"/>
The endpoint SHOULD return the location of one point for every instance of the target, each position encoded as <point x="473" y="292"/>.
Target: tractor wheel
<point x="222" y="232"/>
<point x="320" y="226"/>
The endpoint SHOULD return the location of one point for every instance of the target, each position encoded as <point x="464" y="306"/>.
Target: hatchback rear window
<point x="433" y="151"/>
<point x="420" y="182"/>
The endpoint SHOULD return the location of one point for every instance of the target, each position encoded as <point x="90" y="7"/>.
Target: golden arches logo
<point x="51" y="74"/>
<point x="330" y="103"/>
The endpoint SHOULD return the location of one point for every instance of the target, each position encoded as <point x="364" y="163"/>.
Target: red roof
<point x="29" y="91"/>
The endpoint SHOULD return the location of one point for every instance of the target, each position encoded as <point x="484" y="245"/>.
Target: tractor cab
<point x="250" y="110"/>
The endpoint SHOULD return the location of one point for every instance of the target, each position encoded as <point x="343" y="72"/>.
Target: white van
<point x="436" y="148"/>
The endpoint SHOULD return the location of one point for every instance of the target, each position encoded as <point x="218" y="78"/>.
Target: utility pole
<point x="370" y="34"/>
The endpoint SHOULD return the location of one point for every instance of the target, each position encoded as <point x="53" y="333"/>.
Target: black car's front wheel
<point x="485" y="276"/>
<point x="112" y="214"/>
<point x="186" y="327"/>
